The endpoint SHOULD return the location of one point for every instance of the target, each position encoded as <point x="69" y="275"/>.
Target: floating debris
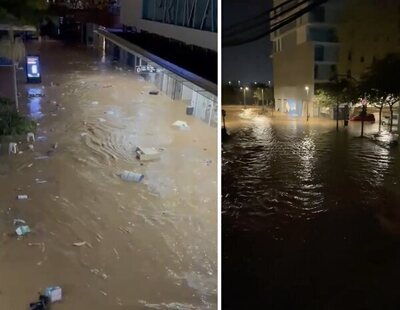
<point x="79" y="244"/>
<point x="19" y="221"/>
<point x="130" y="176"/>
<point x="23" y="230"/>
<point x="182" y="125"/>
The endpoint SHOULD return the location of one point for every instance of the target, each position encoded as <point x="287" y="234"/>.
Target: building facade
<point x="305" y="54"/>
<point x="193" y="22"/>
<point x="338" y="38"/>
<point x="368" y="31"/>
<point x="172" y="44"/>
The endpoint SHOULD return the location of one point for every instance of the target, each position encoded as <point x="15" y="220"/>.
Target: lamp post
<point x="244" y="95"/>
<point x="307" y="89"/>
<point x="262" y="99"/>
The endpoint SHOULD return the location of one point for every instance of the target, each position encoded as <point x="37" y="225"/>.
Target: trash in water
<point x="42" y="304"/>
<point x="54" y="293"/>
<point x="41" y="138"/>
<point x="153" y="92"/>
<point x="147" y="153"/>
<point x="107" y="86"/>
<point x="39" y="181"/>
<point x="22" y="197"/>
<point x="19" y="221"/>
<point x="97" y="272"/>
<point x="208" y="162"/>
<point x="130" y="176"/>
<point x="23" y="230"/>
<point x="101" y="119"/>
<point x="110" y="112"/>
<point x="30" y="165"/>
<point x="79" y="244"/>
<point x="41" y="157"/>
<point x="55" y="145"/>
<point x="95" y="102"/>
<point x="83" y="134"/>
<point x="181" y="125"/>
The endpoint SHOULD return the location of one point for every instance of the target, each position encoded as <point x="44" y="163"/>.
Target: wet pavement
<point x="149" y="245"/>
<point x="311" y="217"/>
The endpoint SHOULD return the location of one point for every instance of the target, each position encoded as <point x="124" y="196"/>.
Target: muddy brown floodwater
<point x="148" y="245"/>
<point x="311" y="217"/>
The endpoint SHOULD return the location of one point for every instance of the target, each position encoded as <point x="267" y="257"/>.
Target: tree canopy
<point x="24" y="11"/>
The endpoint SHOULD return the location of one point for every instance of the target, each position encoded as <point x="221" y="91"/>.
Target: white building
<point x="305" y="54"/>
<point x="191" y="21"/>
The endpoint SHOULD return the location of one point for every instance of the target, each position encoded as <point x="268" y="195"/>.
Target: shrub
<point x="11" y="122"/>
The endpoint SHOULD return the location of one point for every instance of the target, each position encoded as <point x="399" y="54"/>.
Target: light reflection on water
<point x="310" y="217"/>
<point x="291" y="169"/>
<point x="34" y="103"/>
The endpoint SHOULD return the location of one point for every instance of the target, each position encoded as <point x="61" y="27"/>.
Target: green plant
<point x="11" y="122"/>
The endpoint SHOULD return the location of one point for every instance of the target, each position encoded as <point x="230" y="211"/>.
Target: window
<point x="319" y="53"/>
<point x="317" y="15"/>
<point x="322" y="34"/>
<point x="316" y="72"/>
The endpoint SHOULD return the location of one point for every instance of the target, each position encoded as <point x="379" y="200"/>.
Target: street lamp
<point x="262" y="99"/>
<point x="307" y="89"/>
<point x="244" y="95"/>
<point x="239" y="82"/>
<point x="229" y="82"/>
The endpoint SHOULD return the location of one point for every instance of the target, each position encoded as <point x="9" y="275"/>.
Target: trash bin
<point x="189" y="110"/>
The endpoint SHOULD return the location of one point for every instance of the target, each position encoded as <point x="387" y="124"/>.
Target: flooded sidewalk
<point x="146" y="245"/>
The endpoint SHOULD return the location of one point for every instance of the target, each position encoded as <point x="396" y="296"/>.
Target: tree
<point x="378" y="101"/>
<point x="25" y="11"/>
<point x="263" y="94"/>
<point x="336" y="92"/>
<point x="381" y="82"/>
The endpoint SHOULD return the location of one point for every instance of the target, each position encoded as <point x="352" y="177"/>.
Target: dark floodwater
<point x="311" y="218"/>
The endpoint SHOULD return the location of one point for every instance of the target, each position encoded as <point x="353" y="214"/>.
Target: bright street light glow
<point x="307" y="88"/>
<point x="247" y="88"/>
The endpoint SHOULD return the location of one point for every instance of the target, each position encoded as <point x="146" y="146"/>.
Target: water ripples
<point x="290" y="171"/>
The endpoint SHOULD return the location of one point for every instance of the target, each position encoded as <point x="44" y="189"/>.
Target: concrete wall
<point x="293" y="69"/>
<point x="131" y="15"/>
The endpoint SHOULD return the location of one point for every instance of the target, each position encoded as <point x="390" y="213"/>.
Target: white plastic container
<point x="54" y="293"/>
<point x="130" y="176"/>
<point x="22" y="197"/>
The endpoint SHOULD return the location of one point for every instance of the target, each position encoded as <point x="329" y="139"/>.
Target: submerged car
<point x="368" y="118"/>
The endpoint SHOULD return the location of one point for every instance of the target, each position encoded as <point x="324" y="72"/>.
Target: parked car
<point x="386" y="120"/>
<point x="368" y="118"/>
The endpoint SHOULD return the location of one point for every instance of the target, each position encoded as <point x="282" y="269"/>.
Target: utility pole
<point x="337" y="114"/>
<point x="308" y="114"/>
<point x="262" y="99"/>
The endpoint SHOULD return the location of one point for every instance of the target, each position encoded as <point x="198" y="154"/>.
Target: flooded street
<point x="311" y="217"/>
<point x="149" y="245"/>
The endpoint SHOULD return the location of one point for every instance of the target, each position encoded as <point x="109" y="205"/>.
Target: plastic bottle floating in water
<point x="130" y="176"/>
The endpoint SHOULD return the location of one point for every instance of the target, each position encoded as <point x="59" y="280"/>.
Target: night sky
<point x="250" y="62"/>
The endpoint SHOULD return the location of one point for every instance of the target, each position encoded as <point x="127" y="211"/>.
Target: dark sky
<point x="250" y="62"/>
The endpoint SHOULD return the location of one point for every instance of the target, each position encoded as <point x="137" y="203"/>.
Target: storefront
<point x="177" y="83"/>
